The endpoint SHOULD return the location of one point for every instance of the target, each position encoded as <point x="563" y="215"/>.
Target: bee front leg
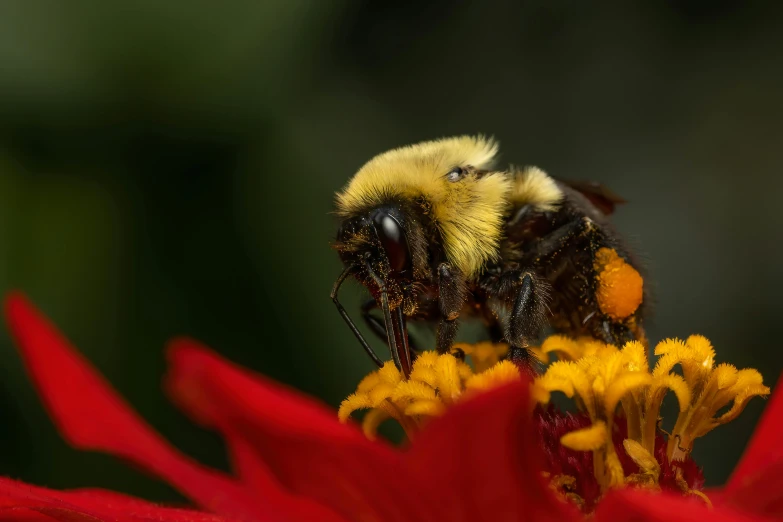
<point x="452" y="291"/>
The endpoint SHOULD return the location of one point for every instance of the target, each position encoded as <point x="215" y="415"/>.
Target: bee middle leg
<point x="518" y="301"/>
<point x="584" y="238"/>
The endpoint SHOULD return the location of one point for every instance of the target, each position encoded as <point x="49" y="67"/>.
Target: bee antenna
<point x="344" y="314"/>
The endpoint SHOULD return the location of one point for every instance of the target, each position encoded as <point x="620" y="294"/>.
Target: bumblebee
<point x="437" y="234"/>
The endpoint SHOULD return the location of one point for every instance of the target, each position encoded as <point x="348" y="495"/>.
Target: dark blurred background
<point x="169" y="168"/>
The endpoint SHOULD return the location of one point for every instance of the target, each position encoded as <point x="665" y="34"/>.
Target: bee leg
<point x="452" y="291"/>
<point x="587" y="233"/>
<point x="560" y="237"/>
<point x="614" y="333"/>
<point x="377" y="327"/>
<point x="527" y="317"/>
<point x="447" y="331"/>
<point x="519" y="307"/>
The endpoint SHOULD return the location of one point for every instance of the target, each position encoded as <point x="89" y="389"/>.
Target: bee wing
<point x="599" y="195"/>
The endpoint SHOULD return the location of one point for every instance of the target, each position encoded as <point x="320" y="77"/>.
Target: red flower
<point x="294" y="461"/>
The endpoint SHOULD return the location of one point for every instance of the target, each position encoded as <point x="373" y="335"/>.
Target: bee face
<point x="376" y="243"/>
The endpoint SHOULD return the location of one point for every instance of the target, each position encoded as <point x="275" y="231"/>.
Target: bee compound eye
<point x="393" y="242"/>
<point x="455" y="174"/>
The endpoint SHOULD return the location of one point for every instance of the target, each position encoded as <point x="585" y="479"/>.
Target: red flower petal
<point x="760" y="493"/>
<point x="766" y="439"/>
<point x="19" y="501"/>
<point x="91" y="416"/>
<point x="477" y="463"/>
<point x="302" y="442"/>
<point x="756" y="485"/>
<point x="484" y="458"/>
<point x="282" y="408"/>
<point x="644" y="506"/>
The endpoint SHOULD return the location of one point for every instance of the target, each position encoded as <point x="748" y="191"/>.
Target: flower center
<point x="572" y="472"/>
<point x="435" y="383"/>
<point x="615" y="439"/>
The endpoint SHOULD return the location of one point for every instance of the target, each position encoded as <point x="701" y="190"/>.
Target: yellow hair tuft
<point x="533" y="186"/>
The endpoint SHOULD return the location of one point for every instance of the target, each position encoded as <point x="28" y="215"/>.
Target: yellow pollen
<point x="563" y="486"/>
<point x="619" y="291"/>
<point x="649" y="468"/>
<point x="436" y="382"/>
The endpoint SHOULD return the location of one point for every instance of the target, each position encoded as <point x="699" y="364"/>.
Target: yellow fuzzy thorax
<point x="469" y="214"/>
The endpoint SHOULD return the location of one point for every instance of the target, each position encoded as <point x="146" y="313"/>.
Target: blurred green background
<point x="169" y="167"/>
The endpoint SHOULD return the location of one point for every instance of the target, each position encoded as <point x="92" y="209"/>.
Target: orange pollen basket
<point x="619" y="284"/>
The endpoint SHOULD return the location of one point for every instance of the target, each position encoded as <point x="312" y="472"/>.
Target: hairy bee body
<point x="435" y="233"/>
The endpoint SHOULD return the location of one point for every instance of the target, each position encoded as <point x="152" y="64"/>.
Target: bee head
<point x="448" y="186"/>
<point x="377" y="242"/>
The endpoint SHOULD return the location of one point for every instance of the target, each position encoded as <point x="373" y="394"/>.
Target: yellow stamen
<point x="586" y="439"/>
<point x="355" y="401"/>
<point x="643" y="458"/>
<point x="431" y="408"/>
<point x="502" y="373"/>
<point x="703" y="496"/>
<point x="565" y="348"/>
<point x="599" y="378"/>
<point x="449" y="378"/>
<point x="716" y="388"/>
<point x="411" y="391"/>
<point x="372" y="420"/>
<point x="483" y="355"/>
<point x="683" y="485"/>
<point x="602" y="377"/>
<point x="435" y="383"/>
